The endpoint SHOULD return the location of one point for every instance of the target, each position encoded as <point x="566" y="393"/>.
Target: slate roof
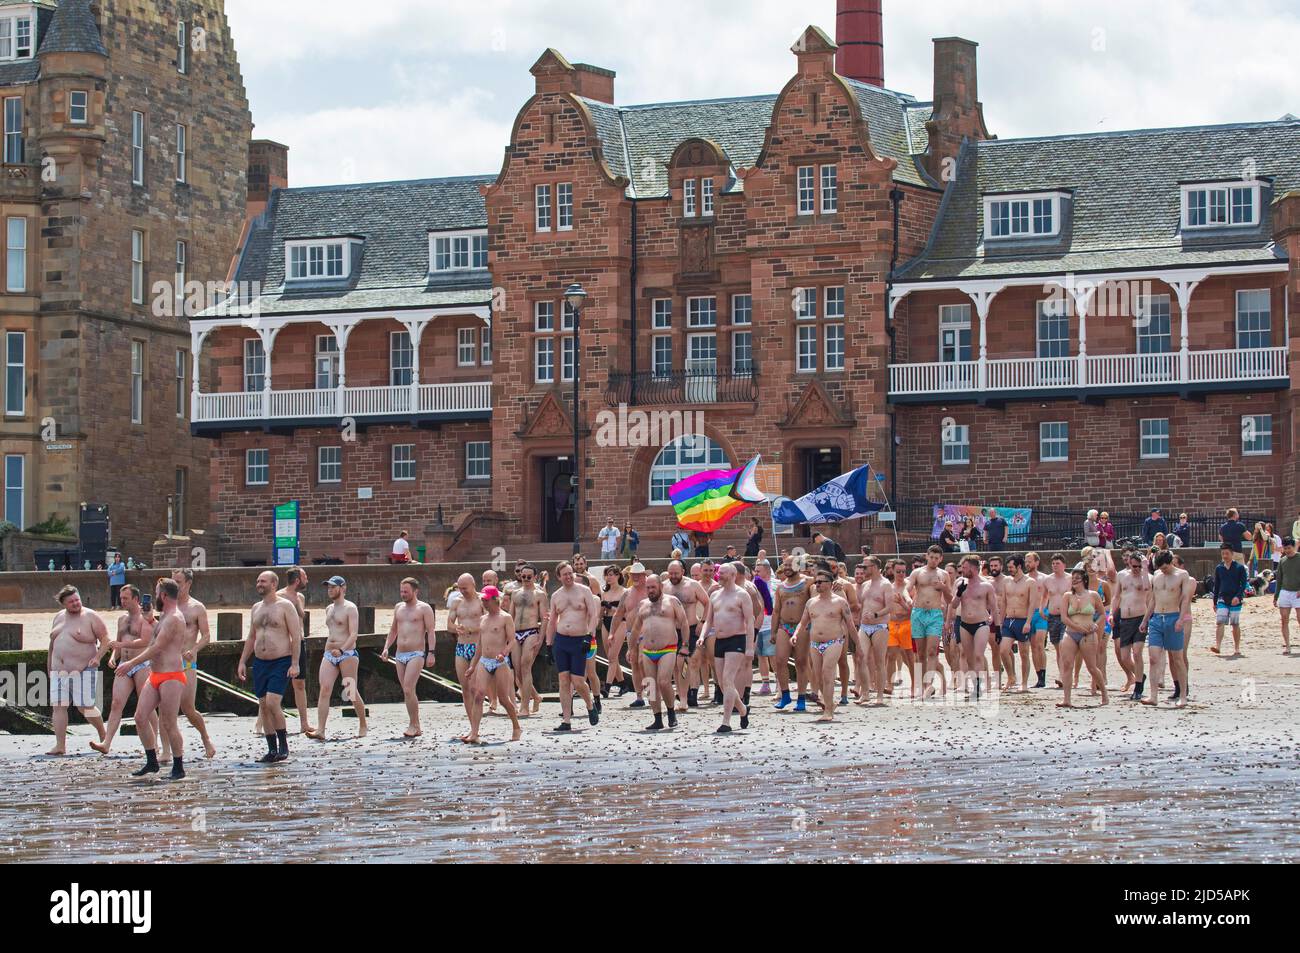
<point x="1125" y="207"/>
<point x="646" y="136"/>
<point x="72" y="29"/>
<point x="393" y="219"/>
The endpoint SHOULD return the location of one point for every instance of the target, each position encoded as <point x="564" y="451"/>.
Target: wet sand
<point x="1011" y="777"/>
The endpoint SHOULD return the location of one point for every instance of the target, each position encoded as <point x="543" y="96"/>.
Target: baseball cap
<point x="490" y="592"/>
<point x="336" y="581"/>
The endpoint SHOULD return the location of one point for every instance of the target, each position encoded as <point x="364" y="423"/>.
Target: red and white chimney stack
<point x="860" y="35"/>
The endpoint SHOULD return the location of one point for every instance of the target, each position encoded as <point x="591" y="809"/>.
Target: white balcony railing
<point x="1098" y="370"/>
<point x="471" y="397"/>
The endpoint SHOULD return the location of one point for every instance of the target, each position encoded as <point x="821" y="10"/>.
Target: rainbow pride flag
<point x="706" y="501"/>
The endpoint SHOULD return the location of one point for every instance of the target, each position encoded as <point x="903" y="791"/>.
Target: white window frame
<point x="21" y="488"/>
<point x="547" y="309"/>
<point x="706" y="196"/>
<point x="137" y="382"/>
<point x="1225" y="189"/>
<point x="182" y="267"/>
<point x="10" y="50"/>
<point x="700" y="316"/>
<point x="544" y="370"/>
<point x="739" y="367"/>
<point x="806" y="189"/>
<point x="83" y="107"/>
<point x="568" y="364"/>
<point x="564" y="207"/>
<point x="841" y="353"/>
<point x="182" y="369"/>
<point x="1144" y="437"/>
<point x="16" y="368"/>
<point x="254" y="352"/>
<point x="704" y="454"/>
<point x="264" y="467"/>
<point x="321" y="464"/>
<point x="835" y="299"/>
<point x="137" y="266"/>
<point x="466" y="245"/>
<point x="542" y="208"/>
<point x="475" y="454"/>
<point x="182" y="48"/>
<point x="401" y="359"/>
<point x="828" y="179"/>
<point x="742" y="317"/>
<point x="15" y="147"/>
<point x="182" y="153"/>
<point x="955" y="452"/>
<point x="137" y="147"/>
<point x="394" y="462"/>
<point x="661" y="314"/>
<point x="1054" y="440"/>
<point x="326" y="354"/>
<point x="661" y="356"/>
<point x="806" y="303"/>
<point x="961" y="322"/>
<point x="1031" y="218"/>
<point x="1258" y="432"/>
<point x="689" y="202"/>
<point x="485" y="346"/>
<point x="1239" y="310"/>
<point x="16" y="254"/>
<point x="314" y="258"/>
<point x="806" y="349"/>
<point x="466" y="347"/>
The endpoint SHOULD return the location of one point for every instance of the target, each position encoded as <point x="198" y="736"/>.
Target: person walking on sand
<point x="78" y="640"/>
<point x="134" y="633"/>
<point x="1169" y="610"/>
<point x="340" y="659"/>
<point x="1286" y="592"/>
<point x="413" y="632"/>
<point x="496" y="636"/>
<point x="1229" y="592"/>
<point x="1082" y="607"/>
<point x="275" y="632"/>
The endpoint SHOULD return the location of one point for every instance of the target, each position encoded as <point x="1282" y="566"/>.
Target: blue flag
<point x="844" y="498"/>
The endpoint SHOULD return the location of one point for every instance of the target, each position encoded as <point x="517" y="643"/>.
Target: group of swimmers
<point x="690" y="635"/>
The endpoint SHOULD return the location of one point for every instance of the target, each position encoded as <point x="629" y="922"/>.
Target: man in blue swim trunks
<point x="275" y="633"/>
<point x="1037" y="620"/>
<point x="1168" y="614"/>
<point x="930" y="590"/>
<point x="573" y="618"/>
<point x="414" y="630"/>
<point x="340" y="659"/>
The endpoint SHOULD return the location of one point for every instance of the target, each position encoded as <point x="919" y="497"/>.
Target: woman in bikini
<point x="1083" y="609"/>
<point x="610" y="597"/>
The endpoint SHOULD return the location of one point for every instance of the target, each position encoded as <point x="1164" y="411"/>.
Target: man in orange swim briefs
<point x="900" y="624"/>
<point x="166" y="685"/>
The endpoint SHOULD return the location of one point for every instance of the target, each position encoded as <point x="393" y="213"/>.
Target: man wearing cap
<point x="627" y="608"/>
<point x="496" y="636"/>
<point x="609" y="535"/>
<point x="1155" y="523"/>
<point x="342" y="625"/>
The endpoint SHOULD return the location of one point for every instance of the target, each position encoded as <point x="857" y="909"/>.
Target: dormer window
<point x="16" y="37"/>
<point x="1221" y="205"/>
<point x="1022" y="216"/>
<point x="458" y="251"/>
<point x="305" y="260"/>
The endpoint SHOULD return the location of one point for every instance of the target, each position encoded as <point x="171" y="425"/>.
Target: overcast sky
<point x="420" y="88"/>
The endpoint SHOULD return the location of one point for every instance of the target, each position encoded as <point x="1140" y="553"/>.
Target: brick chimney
<point x="957" y="112"/>
<point x="860" y="35"/>
<point x="555" y="74"/>
<point x="268" y="169"/>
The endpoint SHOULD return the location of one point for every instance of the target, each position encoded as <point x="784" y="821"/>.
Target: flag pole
<point x="776" y="543"/>
<point x="889" y="507"/>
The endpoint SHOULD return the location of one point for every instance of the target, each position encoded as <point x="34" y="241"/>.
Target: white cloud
<point x="413" y="88"/>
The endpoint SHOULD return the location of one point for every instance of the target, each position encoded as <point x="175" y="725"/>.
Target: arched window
<point x="686" y="455"/>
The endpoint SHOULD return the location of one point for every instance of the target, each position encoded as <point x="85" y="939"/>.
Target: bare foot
<point x="209" y="749"/>
<point x="517" y="734"/>
<point x="408" y="733"/>
<point x="99" y="746"/>
<point x="1105" y="697"/>
<point x="471" y="740"/>
<point x="361" y="733"/>
<point x="315" y="735"/>
<point x="1152" y="701"/>
<point x="55" y="752"/>
<point x="1064" y="705"/>
<point x="824" y="718"/>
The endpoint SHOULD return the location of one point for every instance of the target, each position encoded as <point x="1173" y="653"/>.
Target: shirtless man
<point x="134" y="633"/>
<point x="900" y="625"/>
<point x="620" y="629"/>
<point x="197" y="637"/>
<point x="729" y="621"/>
<point x="1037" y="621"/>
<point x="693" y="600"/>
<point x="1052" y="591"/>
<point x="998" y="579"/>
<point x="790" y="596"/>
<point x="874" y="595"/>
<point x="295" y="583"/>
<point x="165" y="689"/>
<point x="1169" y="610"/>
<point x="980" y="614"/>
<point x="743" y="581"/>
<point x="496" y="634"/>
<point x="529" y="608"/>
<point x="414" y="630"/>
<point x="573" y="617"/>
<point x="1128" y="608"/>
<point x="274" y="638"/>
<point x="342" y="622"/>
<point x="78" y="640"/>
<point x="1017" y="602"/>
<point x="659" y="627"/>
<point x="845" y="588"/>
<point x="930" y="591"/>
<point x="827" y="623"/>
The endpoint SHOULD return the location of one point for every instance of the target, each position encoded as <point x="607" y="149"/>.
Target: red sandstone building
<point x="832" y="275"/>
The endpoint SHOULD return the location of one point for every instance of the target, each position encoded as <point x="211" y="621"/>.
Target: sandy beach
<point x="1012" y="776"/>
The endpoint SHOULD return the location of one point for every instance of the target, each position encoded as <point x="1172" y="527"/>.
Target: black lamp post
<point x="575" y="296"/>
